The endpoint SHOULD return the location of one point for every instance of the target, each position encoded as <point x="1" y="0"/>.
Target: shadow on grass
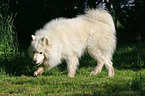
<point x="130" y="56"/>
<point x="117" y="87"/>
<point x="18" y="66"/>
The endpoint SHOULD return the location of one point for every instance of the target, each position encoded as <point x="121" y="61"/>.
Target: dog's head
<point x="37" y="49"/>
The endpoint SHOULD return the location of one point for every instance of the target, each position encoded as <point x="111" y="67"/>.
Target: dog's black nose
<point x="34" y="60"/>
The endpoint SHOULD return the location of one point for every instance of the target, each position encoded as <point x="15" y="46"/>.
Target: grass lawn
<point x="129" y="80"/>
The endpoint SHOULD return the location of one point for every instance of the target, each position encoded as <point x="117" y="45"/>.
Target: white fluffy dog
<point x="68" y="39"/>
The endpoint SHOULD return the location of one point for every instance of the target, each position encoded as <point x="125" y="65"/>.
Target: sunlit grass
<point x="124" y="83"/>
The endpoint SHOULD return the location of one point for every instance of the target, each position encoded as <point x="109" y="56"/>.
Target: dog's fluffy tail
<point x="101" y="16"/>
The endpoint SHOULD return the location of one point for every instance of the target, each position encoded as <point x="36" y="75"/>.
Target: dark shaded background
<point x="33" y="14"/>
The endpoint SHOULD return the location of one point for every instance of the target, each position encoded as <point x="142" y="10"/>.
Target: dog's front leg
<point x="39" y="71"/>
<point x="72" y="63"/>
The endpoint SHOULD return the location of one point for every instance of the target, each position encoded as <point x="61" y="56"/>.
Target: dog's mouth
<point x="41" y="62"/>
<point x="38" y="64"/>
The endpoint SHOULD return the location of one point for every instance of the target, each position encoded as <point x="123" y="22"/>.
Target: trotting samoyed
<point x="68" y="39"/>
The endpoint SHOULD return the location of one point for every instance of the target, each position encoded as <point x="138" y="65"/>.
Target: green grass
<point x="125" y="82"/>
<point x="129" y="80"/>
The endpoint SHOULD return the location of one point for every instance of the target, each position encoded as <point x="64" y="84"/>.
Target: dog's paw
<point x="36" y="73"/>
<point x="93" y="73"/>
<point x="110" y="74"/>
<point x="71" y="75"/>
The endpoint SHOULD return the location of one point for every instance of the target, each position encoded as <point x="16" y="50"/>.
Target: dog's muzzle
<point x="38" y="64"/>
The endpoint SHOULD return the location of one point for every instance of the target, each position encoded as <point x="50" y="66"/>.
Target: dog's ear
<point x="33" y="37"/>
<point x="45" y="40"/>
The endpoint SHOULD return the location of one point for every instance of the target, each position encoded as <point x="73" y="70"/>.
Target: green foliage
<point x="1" y="49"/>
<point x="8" y="41"/>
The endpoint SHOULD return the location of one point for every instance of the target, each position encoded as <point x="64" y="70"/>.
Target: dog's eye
<point x="40" y="52"/>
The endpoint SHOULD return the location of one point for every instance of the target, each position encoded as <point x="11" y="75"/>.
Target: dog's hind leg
<point x="101" y="60"/>
<point x="109" y="67"/>
<point x="72" y="64"/>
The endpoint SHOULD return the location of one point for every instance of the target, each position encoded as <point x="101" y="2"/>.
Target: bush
<point x="8" y="41"/>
